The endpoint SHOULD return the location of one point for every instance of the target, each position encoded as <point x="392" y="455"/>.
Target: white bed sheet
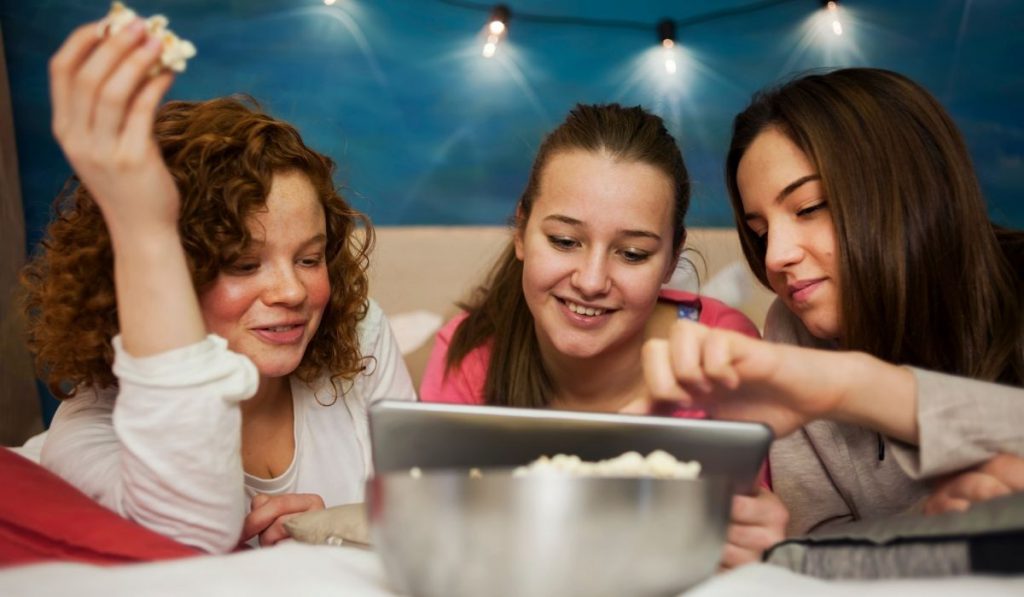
<point x="298" y="569"/>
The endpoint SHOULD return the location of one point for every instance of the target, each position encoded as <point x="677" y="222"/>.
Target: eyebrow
<point x="630" y="233"/>
<point x="786" y="192"/>
<point x="319" y="237"/>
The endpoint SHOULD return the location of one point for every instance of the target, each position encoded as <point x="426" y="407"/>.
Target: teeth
<point x="281" y="328"/>
<point x="581" y="310"/>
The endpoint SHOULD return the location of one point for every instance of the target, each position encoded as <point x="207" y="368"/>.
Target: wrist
<point x="878" y="395"/>
<point x="150" y="241"/>
<point x="852" y="401"/>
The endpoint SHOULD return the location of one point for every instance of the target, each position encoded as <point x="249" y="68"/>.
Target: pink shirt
<point x="465" y="383"/>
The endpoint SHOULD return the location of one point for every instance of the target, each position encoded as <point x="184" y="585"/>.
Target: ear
<point x="517" y="233"/>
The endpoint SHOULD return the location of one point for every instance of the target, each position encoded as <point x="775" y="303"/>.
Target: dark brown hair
<point x="223" y="155"/>
<point x="925" y="278"/>
<point x="498" y="312"/>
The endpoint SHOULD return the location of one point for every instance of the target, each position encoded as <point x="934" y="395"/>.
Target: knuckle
<point x="129" y="160"/>
<point x="87" y="79"/>
<point x="140" y="60"/>
<point x="124" y="39"/>
<point x="119" y="161"/>
<point x="112" y="93"/>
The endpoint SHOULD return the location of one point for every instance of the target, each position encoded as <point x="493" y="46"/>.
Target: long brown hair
<point x="925" y="278"/>
<point x="498" y="313"/>
<point x="223" y="154"/>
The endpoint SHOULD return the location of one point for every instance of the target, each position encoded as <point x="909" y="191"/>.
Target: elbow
<point x="213" y="527"/>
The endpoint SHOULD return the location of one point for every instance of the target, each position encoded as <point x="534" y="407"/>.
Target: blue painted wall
<point x="428" y="132"/>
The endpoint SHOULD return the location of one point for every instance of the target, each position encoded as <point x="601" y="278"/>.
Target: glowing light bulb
<point x="330" y="2"/>
<point x="833" y="9"/>
<point x="666" y="31"/>
<point x="497" y="29"/>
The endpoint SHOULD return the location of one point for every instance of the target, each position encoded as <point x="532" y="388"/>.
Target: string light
<point x="497" y="25"/>
<point x="833" y="10"/>
<point x="497" y="29"/>
<point x="667" y="35"/>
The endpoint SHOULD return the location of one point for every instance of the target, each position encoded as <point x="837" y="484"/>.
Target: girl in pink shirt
<point x="561" y="320"/>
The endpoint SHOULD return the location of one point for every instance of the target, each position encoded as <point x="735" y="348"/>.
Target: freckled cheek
<point x="318" y="289"/>
<point x="226" y="303"/>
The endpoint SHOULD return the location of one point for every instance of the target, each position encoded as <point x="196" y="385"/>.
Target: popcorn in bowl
<point x="657" y="465"/>
<point x="176" y="51"/>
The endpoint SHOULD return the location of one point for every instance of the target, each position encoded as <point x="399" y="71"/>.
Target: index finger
<point x="264" y="515"/>
<point x="256" y="521"/>
<point x="686" y="341"/>
<point x="72" y="53"/>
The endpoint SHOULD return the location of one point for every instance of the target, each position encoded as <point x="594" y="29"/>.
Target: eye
<point x="811" y="209"/>
<point x="635" y="255"/>
<point x="242" y="268"/>
<point x="563" y="243"/>
<point x="312" y="260"/>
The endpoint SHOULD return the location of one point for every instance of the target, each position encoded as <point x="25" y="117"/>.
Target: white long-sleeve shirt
<point x="164" y="448"/>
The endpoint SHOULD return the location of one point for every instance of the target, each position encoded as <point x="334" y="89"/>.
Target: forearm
<point x="875" y="394"/>
<point x="183" y="480"/>
<point x="157" y="305"/>
<point x="165" y="453"/>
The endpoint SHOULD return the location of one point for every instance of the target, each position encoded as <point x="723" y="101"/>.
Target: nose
<point x="591" y="277"/>
<point x="783" y="249"/>
<point x="284" y="287"/>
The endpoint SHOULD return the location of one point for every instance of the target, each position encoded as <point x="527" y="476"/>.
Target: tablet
<point x="431" y="435"/>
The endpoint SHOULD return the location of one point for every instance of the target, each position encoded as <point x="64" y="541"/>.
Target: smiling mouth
<point x="802" y="290"/>
<point x="281" y="328"/>
<point x="281" y="334"/>
<point x="581" y="310"/>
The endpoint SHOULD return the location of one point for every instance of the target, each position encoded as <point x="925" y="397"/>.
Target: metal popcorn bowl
<point x="444" y="533"/>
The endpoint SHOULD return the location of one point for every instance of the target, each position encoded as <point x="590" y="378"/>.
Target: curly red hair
<point x="223" y="154"/>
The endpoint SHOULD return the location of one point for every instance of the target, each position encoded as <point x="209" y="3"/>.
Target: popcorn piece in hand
<point x="119" y="17"/>
<point x="176" y="51"/>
